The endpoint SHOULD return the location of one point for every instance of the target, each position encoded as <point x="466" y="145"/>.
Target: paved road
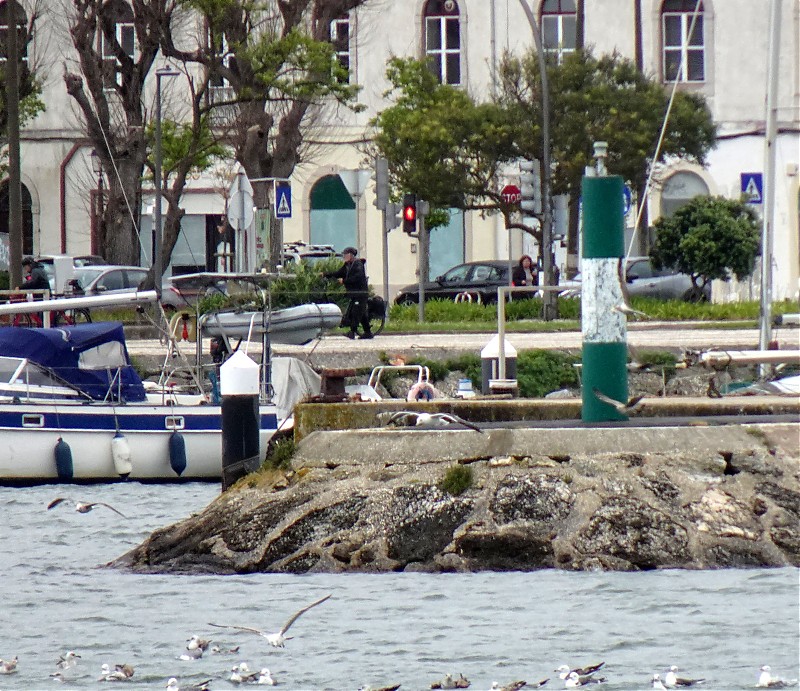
<point x="648" y="336"/>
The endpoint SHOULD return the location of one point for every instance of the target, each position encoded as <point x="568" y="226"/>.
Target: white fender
<point x="121" y="453"/>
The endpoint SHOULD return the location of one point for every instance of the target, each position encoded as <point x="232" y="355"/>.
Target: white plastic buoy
<point x="121" y="453"/>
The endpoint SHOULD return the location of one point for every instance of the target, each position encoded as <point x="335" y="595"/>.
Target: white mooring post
<point x="241" y="424"/>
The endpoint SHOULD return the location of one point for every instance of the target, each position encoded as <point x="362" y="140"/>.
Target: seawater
<point x="376" y="630"/>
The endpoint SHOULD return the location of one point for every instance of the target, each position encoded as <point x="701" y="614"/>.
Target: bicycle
<point x="376" y="312"/>
<point x="68" y="317"/>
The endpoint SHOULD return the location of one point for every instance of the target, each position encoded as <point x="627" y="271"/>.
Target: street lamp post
<point x="549" y="299"/>
<point x="158" y="269"/>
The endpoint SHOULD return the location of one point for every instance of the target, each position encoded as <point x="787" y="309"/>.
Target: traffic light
<point x="530" y="186"/>
<point x="393" y="216"/>
<point x="410" y="213"/>
<point x="381" y="183"/>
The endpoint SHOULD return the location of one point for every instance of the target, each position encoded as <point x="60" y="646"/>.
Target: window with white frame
<point x="559" y="22"/>
<point x="443" y="40"/>
<point x="22" y="37"/>
<point x="683" y="40"/>
<point x="340" y="40"/>
<point x="218" y="83"/>
<point x="117" y="37"/>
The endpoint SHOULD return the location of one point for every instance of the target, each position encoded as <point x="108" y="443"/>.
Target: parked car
<point x="644" y="280"/>
<point x="295" y="252"/>
<point x="109" y="279"/>
<point x="477" y="280"/>
<point x="49" y="261"/>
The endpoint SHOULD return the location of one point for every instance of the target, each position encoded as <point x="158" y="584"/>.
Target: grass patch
<point x="280" y="455"/>
<point x="457" y="480"/>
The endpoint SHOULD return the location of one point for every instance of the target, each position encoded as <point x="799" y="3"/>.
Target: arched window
<point x="559" y="27"/>
<point x="443" y="40"/>
<point x="683" y="40"/>
<point x="679" y="189"/>
<point x="333" y="214"/>
<point x="340" y="39"/>
<point x="27" y="220"/>
<point x="117" y="40"/>
<point x="22" y="32"/>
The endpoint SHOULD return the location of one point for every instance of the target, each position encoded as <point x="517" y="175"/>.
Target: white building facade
<point x="724" y="58"/>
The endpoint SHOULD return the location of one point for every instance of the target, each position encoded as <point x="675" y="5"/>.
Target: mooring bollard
<point x="241" y="424"/>
<point x="605" y="349"/>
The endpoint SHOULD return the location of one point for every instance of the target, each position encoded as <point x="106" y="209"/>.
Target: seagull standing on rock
<point x="278" y="639"/>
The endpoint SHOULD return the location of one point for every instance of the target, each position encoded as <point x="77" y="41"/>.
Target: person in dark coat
<point x="352" y="275"/>
<point x="34" y="276"/>
<point x="524" y="273"/>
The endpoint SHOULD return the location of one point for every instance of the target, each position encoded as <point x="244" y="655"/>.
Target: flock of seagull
<point x="572" y="677"/>
<point x="196" y="646"/>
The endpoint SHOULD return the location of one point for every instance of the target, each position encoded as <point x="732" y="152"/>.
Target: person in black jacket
<point x="353" y="277"/>
<point x="524" y="273"/>
<point x="34" y="276"/>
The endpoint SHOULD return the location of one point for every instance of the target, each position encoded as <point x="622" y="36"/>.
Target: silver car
<point x="109" y="279"/>
<point x="644" y="280"/>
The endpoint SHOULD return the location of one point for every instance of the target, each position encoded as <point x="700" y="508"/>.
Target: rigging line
<point x="651" y="173"/>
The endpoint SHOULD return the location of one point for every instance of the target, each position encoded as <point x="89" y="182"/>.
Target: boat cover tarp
<point x="91" y="357"/>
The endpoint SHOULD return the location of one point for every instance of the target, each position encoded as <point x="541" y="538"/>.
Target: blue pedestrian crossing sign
<point x="752" y="188"/>
<point x="283" y="200"/>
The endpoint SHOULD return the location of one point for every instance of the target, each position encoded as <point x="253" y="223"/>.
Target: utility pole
<point x="550" y="299"/>
<point x="14" y="172"/>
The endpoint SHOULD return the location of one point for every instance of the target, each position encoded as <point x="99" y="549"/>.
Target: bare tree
<point x="278" y="65"/>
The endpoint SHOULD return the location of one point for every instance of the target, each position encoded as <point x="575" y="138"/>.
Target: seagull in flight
<point x="634" y="405"/>
<point x="624" y="307"/>
<point x="278" y="639"/>
<point x="82" y="506"/>
<point x="672" y="680"/>
<point x="410" y="418"/>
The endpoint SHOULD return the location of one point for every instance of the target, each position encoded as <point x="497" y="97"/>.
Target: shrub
<point x="541" y="371"/>
<point x="457" y="480"/>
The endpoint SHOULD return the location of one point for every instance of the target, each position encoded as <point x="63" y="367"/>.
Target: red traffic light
<point x="409" y="213"/>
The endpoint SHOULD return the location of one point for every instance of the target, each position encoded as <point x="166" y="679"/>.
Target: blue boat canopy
<point x="91" y="357"/>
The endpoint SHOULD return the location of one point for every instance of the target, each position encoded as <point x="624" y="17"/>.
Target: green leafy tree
<point x="440" y="143"/>
<point x="601" y="99"/>
<point x="708" y="238"/>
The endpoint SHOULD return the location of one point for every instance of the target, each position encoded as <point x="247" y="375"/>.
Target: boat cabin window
<point x="8" y="368"/>
<point x="105" y="356"/>
<point x="36" y="375"/>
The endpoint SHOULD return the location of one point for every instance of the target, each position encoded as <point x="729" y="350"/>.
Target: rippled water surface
<point x="376" y="629"/>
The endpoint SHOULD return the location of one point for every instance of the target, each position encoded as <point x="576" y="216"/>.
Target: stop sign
<point x="511" y="194"/>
